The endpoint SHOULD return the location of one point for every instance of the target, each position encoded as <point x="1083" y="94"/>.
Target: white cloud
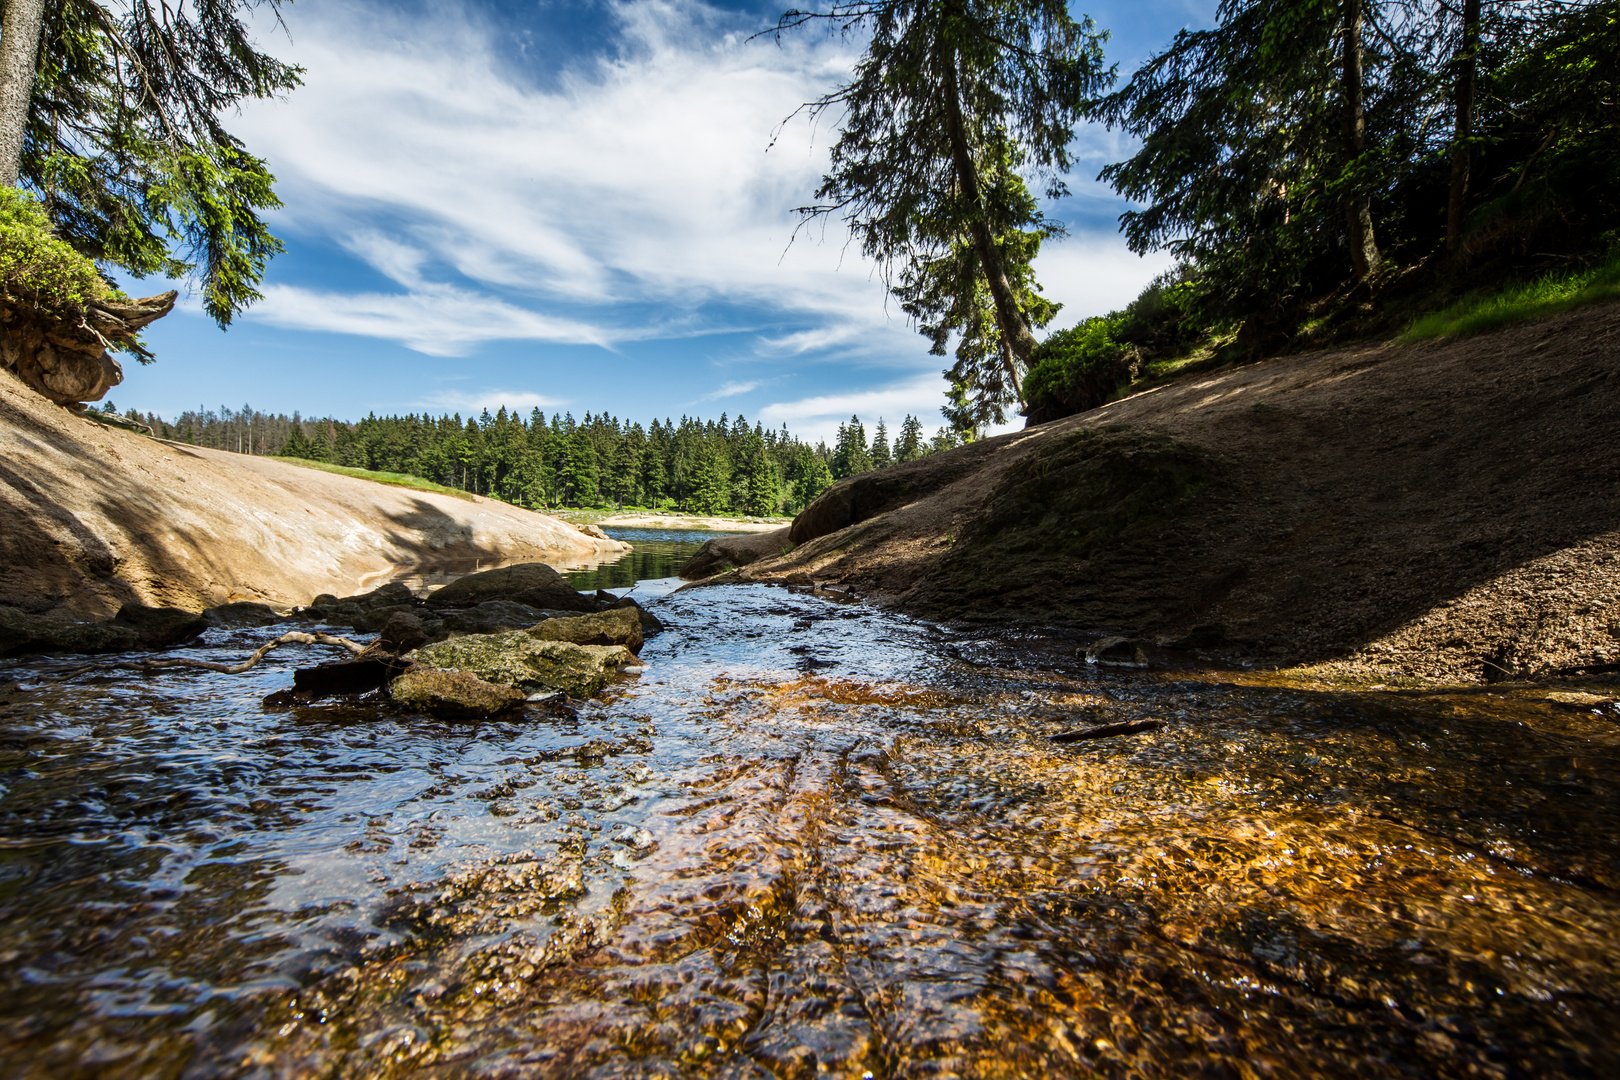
<point x="818" y="417"/>
<point x="440" y="320"/>
<point x="514" y="401"/>
<point x="630" y="198"/>
<point x="1092" y="278"/>
<point x="731" y="389"/>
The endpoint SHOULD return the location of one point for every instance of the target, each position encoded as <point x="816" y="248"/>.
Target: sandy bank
<point x="1446" y="510"/>
<point x="689" y="521"/>
<point x="92" y="517"/>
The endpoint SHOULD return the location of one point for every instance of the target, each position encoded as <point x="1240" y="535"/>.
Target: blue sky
<point x="578" y="205"/>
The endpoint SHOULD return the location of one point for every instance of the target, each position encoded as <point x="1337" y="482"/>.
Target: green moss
<point x="38" y="267"/>
<point x="404" y="480"/>
<point x="1546" y="295"/>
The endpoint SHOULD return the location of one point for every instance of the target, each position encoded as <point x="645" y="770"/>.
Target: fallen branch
<point x="292" y="637"/>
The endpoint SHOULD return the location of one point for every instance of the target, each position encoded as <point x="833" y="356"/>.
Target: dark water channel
<point x="812" y="839"/>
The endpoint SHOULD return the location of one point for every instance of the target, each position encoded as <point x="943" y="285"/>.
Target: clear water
<point x="811" y="839"/>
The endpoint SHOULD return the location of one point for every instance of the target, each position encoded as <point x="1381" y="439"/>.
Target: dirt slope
<point x="92" y="517"/>
<point x="1444" y="510"/>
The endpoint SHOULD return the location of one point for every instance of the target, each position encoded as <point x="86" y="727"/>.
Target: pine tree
<point x="881" y="458"/>
<point x="910" y="446"/>
<point x="850" y="456"/>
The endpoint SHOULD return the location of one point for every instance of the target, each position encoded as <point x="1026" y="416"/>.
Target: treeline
<point x="697" y="466"/>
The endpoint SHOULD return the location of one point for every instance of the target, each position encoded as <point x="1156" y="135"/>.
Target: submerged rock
<point x="522" y="660"/>
<point x="1120" y="652"/>
<point x="24" y="632"/>
<point x="454" y="694"/>
<point x="616" y="626"/>
<point x="534" y="584"/>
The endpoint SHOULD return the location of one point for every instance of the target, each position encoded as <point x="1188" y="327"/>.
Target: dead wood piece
<point x="1125" y="727"/>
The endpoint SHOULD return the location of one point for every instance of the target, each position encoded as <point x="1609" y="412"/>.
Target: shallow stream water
<point x="812" y="839"/>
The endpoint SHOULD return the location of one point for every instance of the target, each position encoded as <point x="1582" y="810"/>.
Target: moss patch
<point x="36" y="266"/>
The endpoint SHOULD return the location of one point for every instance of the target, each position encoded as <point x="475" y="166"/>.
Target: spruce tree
<point x="881" y="458"/>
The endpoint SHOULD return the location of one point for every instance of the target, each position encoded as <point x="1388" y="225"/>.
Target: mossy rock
<point x="454" y="694"/>
<point x="519" y="659"/>
<point x="617" y="626"/>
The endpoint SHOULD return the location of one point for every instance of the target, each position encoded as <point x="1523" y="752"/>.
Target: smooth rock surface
<point x="92" y="518"/>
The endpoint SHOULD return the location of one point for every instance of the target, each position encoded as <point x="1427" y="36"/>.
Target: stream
<point x="812" y="839"/>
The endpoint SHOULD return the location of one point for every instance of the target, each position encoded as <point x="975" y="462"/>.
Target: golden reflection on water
<point x="853" y="851"/>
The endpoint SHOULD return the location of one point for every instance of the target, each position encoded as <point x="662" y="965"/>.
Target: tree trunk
<point x="1467" y="67"/>
<point x="19" y="55"/>
<point x="1015" y="331"/>
<point x="1357" y="206"/>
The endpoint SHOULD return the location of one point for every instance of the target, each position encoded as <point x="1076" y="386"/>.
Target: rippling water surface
<point x="812" y="839"/>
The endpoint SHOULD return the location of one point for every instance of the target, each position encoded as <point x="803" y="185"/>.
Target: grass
<point x="1546" y="295"/>
<point x="404" y="480"/>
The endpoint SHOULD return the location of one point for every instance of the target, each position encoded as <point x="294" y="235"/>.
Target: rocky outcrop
<point x="726" y="552"/>
<point x="1439" y="510"/>
<point x="522" y="660"/>
<point x="134" y="627"/>
<point x="64" y="356"/>
<point x="92" y="518"/>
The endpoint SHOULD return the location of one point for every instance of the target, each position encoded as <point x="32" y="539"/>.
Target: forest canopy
<point x="720" y="466"/>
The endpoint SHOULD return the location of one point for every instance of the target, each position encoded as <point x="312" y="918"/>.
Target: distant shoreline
<point x="691" y="521"/>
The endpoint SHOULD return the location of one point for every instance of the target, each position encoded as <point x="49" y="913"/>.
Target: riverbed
<point x="811" y="839"/>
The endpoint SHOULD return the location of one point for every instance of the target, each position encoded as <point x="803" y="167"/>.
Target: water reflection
<point x="813" y="839"/>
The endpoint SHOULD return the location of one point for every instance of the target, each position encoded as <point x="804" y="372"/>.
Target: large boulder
<point x="492" y="617"/>
<point x="522" y="660"/>
<point x="725" y="552"/>
<point x="534" y="584"/>
<point x="244" y="613"/>
<point x="454" y="694"/>
<point x="160" y="627"/>
<point x="24" y="632"/>
<point x="650" y="623"/>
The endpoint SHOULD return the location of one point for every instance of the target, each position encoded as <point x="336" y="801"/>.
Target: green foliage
<point x="1546" y="295"/>
<point x="392" y="479"/>
<point x="1075" y="370"/>
<point x="909" y="447"/>
<point x="1246" y="167"/>
<point x="126" y="145"/>
<point x="38" y="267"/>
<point x="950" y="99"/>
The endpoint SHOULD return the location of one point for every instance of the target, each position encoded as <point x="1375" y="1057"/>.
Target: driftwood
<point x="64" y="355"/>
<point x="1124" y="727"/>
<point x="169" y="663"/>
